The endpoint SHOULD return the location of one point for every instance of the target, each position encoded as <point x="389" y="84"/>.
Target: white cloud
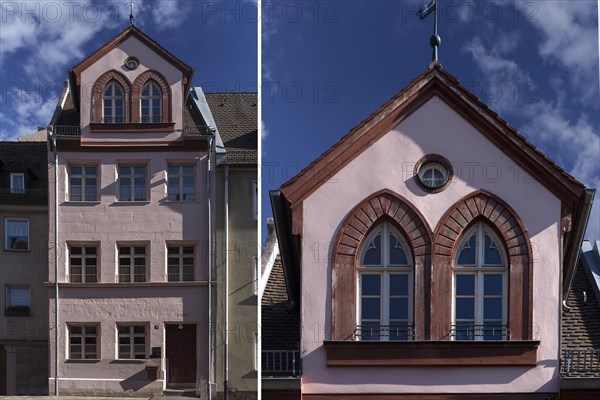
<point x="169" y="13"/>
<point x="264" y="133"/>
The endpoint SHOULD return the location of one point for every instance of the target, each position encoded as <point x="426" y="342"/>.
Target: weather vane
<point x="435" y="40"/>
<point x="131" y="14"/>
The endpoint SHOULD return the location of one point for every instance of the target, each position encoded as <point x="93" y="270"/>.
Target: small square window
<point x="83" y="183"/>
<point x="181" y="182"/>
<point x="18" y="300"/>
<point x="83" y="342"/>
<point x="16" y="234"/>
<point x="17" y="183"/>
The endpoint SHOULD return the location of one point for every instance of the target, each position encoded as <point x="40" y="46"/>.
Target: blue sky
<point x="41" y="40"/>
<point x="328" y="65"/>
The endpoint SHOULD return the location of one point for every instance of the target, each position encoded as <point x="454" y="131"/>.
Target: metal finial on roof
<point x="435" y="40"/>
<point x="131" y="14"/>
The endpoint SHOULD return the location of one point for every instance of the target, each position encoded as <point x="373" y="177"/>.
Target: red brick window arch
<point x="111" y="96"/>
<point x="151" y="98"/>
<point x="473" y="218"/>
<point x="380" y="211"/>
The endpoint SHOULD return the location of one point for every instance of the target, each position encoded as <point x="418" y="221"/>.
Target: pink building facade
<point x="431" y="247"/>
<point x="130" y="227"/>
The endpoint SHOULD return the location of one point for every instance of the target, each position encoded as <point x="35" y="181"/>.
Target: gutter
<point x="211" y="143"/>
<point x="574" y="245"/>
<point x="56" y="326"/>
<point x="226" y="294"/>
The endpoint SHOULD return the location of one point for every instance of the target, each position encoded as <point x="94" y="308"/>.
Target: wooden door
<point x="181" y="353"/>
<point x="2" y="371"/>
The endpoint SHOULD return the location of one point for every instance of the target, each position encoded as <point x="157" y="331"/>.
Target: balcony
<point x="197" y="130"/>
<point x="67" y="130"/>
<point x="470" y="332"/>
<point x="281" y="362"/>
<point x="580" y="362"/>
<point x="23" y="196"/>
<point x="384" y="332"/>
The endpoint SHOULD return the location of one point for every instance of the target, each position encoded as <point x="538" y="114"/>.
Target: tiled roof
<point x="30" y="158"/>
<point x="236" y="116"/>
<point x="581" y="324"/>
<point x="280" y="327"/>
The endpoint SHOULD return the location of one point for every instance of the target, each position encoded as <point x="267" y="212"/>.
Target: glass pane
<point x="140" y="170"/>
<point x="76" y="170"/>
<point x="188" y="250"/>
<point x="399" y="308"/>
<point x="397" y="254"/>
<point x="188" y="170"/>
<point x="124" y="170"/>
<point x="373" y="254"/>
<point x="370" y="308"/>
<point x="117" y="90"/>
<point x="122" y="330"/>
<point x="90" y="330"/>
<point x="492" y="285"/>
<point x="465" y="285"/>
<point x="399" y="285"/>
<point x="465" y="308"/>
<point x="75" y="339"/>
<point x="492" y="255"/>
<point x="139" y="329"/>
<point x="468" y="252"/>
<point x="76" y="250"/>
<point x="371" y="285"/>
<point x="90" y="170"/>
<point x="492" y="308"/>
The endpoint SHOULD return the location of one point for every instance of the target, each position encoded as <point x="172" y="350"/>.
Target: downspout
<point x="210" y="255"/>
<point x="53" y="141"/>
<point x="226" y="292"/>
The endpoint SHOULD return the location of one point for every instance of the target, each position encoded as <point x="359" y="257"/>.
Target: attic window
<point x="132" y="63"/>
<point x="433" y="173"/>
<point x="17" y="183"/>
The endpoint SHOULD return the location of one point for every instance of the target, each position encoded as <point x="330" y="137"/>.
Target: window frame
<point x="83" y="256"/>
<point x="180" y="256"/>
<point x="480" y="270"/>
<point x="12" y="177"/>
<point x="7" y="220"/>
<point x="113" y="98"/>
<point x="385" y="271"/>
<point x="83" y="176"/>
<point x="132" y="257"/>
<point x="132" y="335"/>
<point x="83" y="335"/>
<point x="181" y="175"/>
<point x="150" y="119"/>
<point x="132" y="165"/>
<point x="25" y="312"/>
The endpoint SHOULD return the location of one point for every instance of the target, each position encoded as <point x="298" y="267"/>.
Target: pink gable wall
<point x="389" y="163"/>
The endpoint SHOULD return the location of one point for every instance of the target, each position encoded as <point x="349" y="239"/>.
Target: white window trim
<point x="147" y="264"/>
<point x="8" y="290"/>
<point x="113" y="107"/>
<point x="150" y="99"/>
<point x="84" y="257"/>
<point x="133" y="164"/>
<point x="181" y="175"/>
<point x="83" y="176"/>
<point x="479" y="271"/>
<point x="180" y="257"/>
<point x="13" y="175"/>
<point x="146" y="339"/>
<point x="70" y="326"/>
<point x="385" y="273"/>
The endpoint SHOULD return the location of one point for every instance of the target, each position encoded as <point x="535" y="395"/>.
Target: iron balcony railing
<point x="281" y="362"/>
<point x="479" y="332"/>
<point x="21" y="193"/>
<point x="581" y="360"/>
<point x="197" y="130"/>
<point x="384" y="332"/>
<point x="67" y="130"/>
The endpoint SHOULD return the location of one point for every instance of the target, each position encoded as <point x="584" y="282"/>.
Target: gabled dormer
<point x="131" y="88"/>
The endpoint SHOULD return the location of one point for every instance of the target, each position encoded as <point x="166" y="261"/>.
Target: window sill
<point x="130" y="127"/>
<point x="129" y="361"/>
<point x="17" y="250"/>
<point x="86" y="361"/>
<point x="425" y="353"/>
<point x="81" y="203"/>
<point x="133" y="203"/>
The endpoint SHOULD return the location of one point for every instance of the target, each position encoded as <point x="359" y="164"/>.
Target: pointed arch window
<point x="151" y="103"/>
<point x="113" y="101"/>
<point x="385" y="282"/>
<point x="480" y="289"/>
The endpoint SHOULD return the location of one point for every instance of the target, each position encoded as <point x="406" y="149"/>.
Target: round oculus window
<point x="433" y="175"/>
<point x="132" y="63"/>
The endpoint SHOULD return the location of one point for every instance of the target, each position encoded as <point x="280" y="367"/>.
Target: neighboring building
<point x="430" y="251"/>
<point x="136" y="208"/>
<point x="580" y="368"/>
<point x="235" y="117"/>
<point x="280" y="322"/>
<point x="23" y="268"/>
<point x="40" y="136"/>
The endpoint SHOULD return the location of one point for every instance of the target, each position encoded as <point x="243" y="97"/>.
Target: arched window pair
<point x="113" y="103"/>
<point x="386" y="285"/>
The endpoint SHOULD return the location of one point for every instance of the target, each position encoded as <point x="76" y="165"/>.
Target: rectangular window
<point x="132" y="342"/>
<point x="132" y="264"/>
<point x="83" y="264"/>
<point x="18" y="300"/>
<point x="181" y="184"/>
<point x="83" y="342"/>
<point x="17" y="183"/>
<point x="255" y="275"/>
<point x="16" y="234"/>
<point x="83" y="183"/>
<point x="255" y="200"/>
<point x="180" y="263"/>
<point x="133" y="183"/>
